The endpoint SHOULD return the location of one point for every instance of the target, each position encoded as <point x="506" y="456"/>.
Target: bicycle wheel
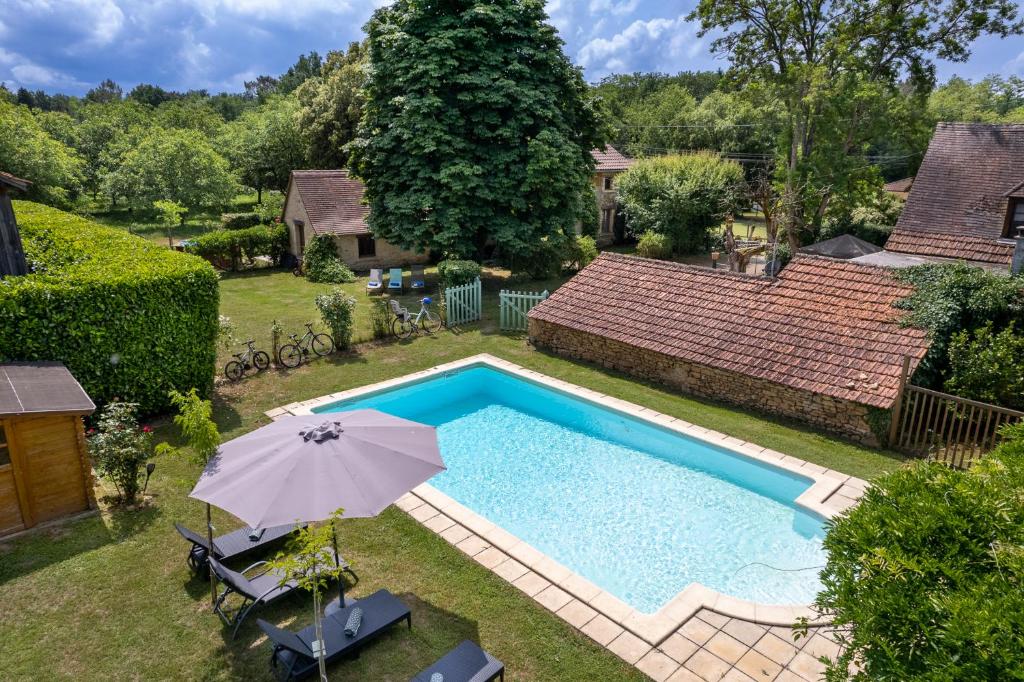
<point x="402" y="329"/>
<point x="322" y="344"/>
<point x="431" y="323"/>
<point x="261" y="360"/>
<point x="290" y="355"/>
<point x="234" y="370"/>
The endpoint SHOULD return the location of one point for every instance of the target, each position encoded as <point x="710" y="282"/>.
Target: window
<point x="367" y="246"/>
<point x="608" y="183"/>
<point x="607" y="220"/>
<point x="1016" y="217"/>
<point x="5" y="453"/>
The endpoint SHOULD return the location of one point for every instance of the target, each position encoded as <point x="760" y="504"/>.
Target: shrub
<point x="271" y="209"/>
<point x="380" y="318"/>
<point x="654" y="245"/>
<point x="231" y="249"/>
<point x="322" y="264"/>
<point x="337" y="309"/>
<point x="988" y="365"/>
<point x="582" y="251"/>
<point x="119" y="448"/>
<point x="129" y="318"/>
<point x="453" y="273"/>
<point x="195" y="419"/>
<point x="924" y="576"/>
<point x="239" y="221"/>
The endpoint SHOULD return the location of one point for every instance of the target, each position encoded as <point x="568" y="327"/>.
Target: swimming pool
<point x="640" y="510"/>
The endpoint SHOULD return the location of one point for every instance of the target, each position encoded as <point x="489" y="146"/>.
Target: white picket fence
<point x="463" y="303"/>
<point x="514" y="307"/>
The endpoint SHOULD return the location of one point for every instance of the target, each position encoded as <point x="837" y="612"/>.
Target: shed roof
<point x="333" y="200"/>
<point x="900" y="186"/>
<point x="844" y="246"/>
<point x="8" y="180"/>
<point x="36" y="388"/>
<point x="825" y="326"/>
<point x="957" y="205"/>
<point x="610" y="160"/>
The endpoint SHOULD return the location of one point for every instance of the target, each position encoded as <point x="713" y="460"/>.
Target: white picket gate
<point x="463" y="303"/>
<point x="514" y="307"/>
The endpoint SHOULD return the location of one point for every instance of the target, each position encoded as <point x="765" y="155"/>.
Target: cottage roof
<point x="825" y="326"/>
<point x="957" y="206"/>
<point x="900" y="186"/>
<point x="333" y="201"/>
<point x="29" y="388"/>
<point x="610" y="160"/>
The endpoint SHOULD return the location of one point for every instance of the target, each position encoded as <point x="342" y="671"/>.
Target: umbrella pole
<point x="337" y="562"/>
<point x="209" y="541"/>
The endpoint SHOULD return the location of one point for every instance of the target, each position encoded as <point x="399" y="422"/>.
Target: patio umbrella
<point x="304" y="468"/>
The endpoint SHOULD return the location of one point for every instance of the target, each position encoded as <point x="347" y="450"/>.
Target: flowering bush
<point x="119" y="448"/>
<point x="337" y="309"/>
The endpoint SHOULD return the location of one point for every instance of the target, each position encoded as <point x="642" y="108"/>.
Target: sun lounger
<point x="293" y="657"/>
<point x="465" y="663"/>
<point x="231" y="545"/>
<point x="395" y="280"/>
<point x="417" y="280"/>
<point x="376" y="283"/>
<point x="258" y="590"/>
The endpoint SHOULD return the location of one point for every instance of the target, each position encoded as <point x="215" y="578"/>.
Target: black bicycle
<point x="292" y="354"/>
<point x="234" y="370"/>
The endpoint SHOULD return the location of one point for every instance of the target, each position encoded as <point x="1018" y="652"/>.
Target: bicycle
<point x="291" y="354"/>
<point x="405" y="324"/>
<point x="234" y="370"/>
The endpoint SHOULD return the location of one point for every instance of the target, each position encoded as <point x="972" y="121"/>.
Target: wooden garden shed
<point x="44" y="467"/>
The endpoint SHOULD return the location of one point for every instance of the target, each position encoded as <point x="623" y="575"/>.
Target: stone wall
<point x="845" y="418"/>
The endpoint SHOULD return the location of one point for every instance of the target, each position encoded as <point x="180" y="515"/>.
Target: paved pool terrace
<point x="700" y="634"/>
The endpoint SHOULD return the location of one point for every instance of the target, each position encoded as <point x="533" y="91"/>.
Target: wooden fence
<point x="514" y="306"/>
<point x="464" y="303"/>
<point x="946" y="427"/>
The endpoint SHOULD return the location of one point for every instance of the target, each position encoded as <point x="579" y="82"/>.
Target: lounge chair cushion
<point x="465" y="663"/>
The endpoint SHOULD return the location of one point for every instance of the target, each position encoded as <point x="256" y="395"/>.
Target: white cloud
<point x="1015" y="66"/>
<point x="97" y="21"/>
<point x="661" y="44"/>
<point x="621" y="8"/>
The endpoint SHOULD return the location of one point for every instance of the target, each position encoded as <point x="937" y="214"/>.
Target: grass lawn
<point x="110" y="597"/>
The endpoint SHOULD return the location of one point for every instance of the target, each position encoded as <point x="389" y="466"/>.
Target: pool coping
<point x="830" y="493"/>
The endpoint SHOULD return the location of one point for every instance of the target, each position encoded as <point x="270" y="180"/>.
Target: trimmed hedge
<point x="227" y="248"/>
<point x="131" y="319"/>
<point x="239" y="221"/>
<point x="453" y="273"/>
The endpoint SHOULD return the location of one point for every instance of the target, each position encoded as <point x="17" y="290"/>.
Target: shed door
<point x="10" y="508"/>
<point x="47" y="448"/>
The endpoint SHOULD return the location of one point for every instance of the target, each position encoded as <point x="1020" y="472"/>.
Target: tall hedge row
<point x="230" y="249"/>
<point x="129" y="318"/>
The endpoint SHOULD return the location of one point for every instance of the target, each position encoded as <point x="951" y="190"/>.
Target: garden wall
<point x="843" y="417"/>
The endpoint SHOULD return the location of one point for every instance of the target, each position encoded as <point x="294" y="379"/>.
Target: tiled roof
<point x="610" y="160"/>
<point x="824" y="326"/>
<point x="902" y="185"/>
<point x="957" y="206"/>
<point x="333" y="201"/>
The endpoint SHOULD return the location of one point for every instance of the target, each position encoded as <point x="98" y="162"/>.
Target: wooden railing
<point x="945" y="427"/>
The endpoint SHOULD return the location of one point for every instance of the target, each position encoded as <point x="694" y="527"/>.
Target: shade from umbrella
<point x="303" y="468"/>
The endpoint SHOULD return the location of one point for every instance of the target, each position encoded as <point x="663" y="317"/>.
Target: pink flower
<point x="147" y="429"/>
<point x="91" y="431"/>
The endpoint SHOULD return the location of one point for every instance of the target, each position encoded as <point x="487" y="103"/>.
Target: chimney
<point x="1017" y="264"/>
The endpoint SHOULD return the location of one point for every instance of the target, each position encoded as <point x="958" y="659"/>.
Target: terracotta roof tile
<point x="957" y="205"/>
<point x="824" y="325"/>
<point x="610" y="160"/>
<point x="901" y="185"/>
<point x="333" y="201"/>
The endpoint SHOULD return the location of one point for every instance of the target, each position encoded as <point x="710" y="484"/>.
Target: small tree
<point x="171" y="214"/>
<point x="310" y="560"/>
<point x="195" y="419"/>
<point x="119" y="448"/>
<point x="337" y="310"/>
<point x="988" y="365"/>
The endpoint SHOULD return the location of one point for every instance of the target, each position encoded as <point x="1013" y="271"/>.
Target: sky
<point x="70" y="45"/>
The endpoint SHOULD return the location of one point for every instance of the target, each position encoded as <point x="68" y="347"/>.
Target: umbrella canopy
<point x="303" y="468"/>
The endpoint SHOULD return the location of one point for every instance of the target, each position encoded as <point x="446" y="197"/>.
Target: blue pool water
<point x="639" y="510"/>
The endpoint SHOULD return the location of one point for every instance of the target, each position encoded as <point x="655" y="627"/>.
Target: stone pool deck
<point x="700" y="634"/>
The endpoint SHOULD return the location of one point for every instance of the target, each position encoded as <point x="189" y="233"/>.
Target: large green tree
<point x="265" y="144"/>
<point x="477" y="129"/>
<point x="836" y="65"/>
<point x="29" y="152"/>
<point x="331" y="106"/>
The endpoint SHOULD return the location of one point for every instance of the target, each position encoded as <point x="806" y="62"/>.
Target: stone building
<point x="610" y="163"/>
<point x="822" y="343"/>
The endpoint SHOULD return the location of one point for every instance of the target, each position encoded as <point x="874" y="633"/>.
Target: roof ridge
<point x="674" y="265"/>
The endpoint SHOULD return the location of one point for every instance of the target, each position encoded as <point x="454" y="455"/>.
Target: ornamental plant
<point x="195" y="419"/>
<point x="988" y="365"/>
<point x="337" y="309"/>
<point x="453" y="273"/>
<point x="321" y="262"/>
<point x="119" y="447"/>
<point x="654" y="245"/>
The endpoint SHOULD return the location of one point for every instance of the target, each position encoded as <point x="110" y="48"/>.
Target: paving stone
<point x="531" y="583"/>
<point x="786" y="635"/>
<point x="472" y="545"/>
<point x="758" y="666"/>
<point x="511" y="570"/>
<point x="678" y="647"/>
<point x="820" y="645"/>
<point x="716" y="619"/>
<point x="423" y="512"/>
<point x="610" y="606"/>
<point x="708" y="666"/>
<point x="439" y="523"/>
<point x="408" y="502"/>
<point x="735" y="675"/>
<point x="602" y="630"/>
<point x="745" y="631"/>
<point x="576" y="613"/>
<point x="726" y="648"/>
<point x="629" y="647"/>
<point x="697" y="630"/>
<point x="790" y="676"/>
<point x="684" y="674"/>
<point x="776" y="649"/>
<point x="581" y="587"/>
<point x="456" y="534"/>
<point x="553" y="598"/>
<point x="807" y="666"/>
<point x="657" y="666"/>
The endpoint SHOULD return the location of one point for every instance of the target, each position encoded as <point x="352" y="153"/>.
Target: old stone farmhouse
<point x="331" y="202"/>
<point x="822" y="343"/>
<point x="610" y="163"/>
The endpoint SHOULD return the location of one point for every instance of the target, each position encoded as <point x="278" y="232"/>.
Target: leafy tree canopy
<point x="265" y="144"/>
<point x="104" y="93"/>
<point x="29" y="152"/>
<point x="477" y="128"/>
<point x="331" y="106"/>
